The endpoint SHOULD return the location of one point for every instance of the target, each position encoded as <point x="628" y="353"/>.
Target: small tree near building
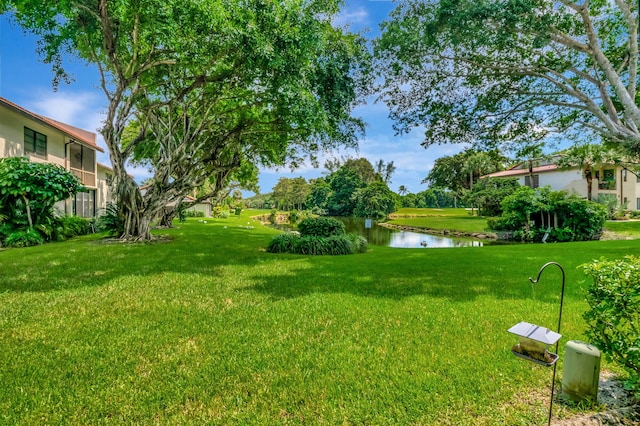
<point x="28" y="193"/>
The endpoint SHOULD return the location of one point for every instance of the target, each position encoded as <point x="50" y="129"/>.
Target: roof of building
<point x="79" y="135"/>
<point x="520" y="171"/>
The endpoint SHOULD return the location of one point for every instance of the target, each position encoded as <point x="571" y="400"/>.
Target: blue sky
<point x="27" y="81"/>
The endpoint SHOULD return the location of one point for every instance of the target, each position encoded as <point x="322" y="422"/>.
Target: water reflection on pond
<point x="381" y="236"/>
<point x="406" y="239"/>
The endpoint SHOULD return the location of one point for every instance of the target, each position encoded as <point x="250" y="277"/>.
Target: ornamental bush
<point x="319" y="236"/>
<point x="283" y="243"/>
<point x="73" y="226"/>
<point x="315" y="245"/>
<point x="360" y="243"/>
<point x="24" y="238"/>
<point x="335" y="245"/>
<point x="613" y="318"/>
<point x="111" y="220"/>
<point x="321" y="227"/>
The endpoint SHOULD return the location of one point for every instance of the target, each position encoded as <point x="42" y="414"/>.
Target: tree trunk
<point x="27" y="206"/>
<point x="143" y="231"/>
<point x="589" y="177"/>
<point x="168" y="214"/>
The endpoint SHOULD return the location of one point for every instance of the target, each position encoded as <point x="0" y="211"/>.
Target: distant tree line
<point x="352" y="188"/>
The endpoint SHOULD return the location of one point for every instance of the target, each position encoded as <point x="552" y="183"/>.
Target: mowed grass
<point x="209" y="328"/>
<point x="624" y="228"/>
<point x="440" y="219"/>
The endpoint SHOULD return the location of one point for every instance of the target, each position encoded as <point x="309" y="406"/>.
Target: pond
<point x="381" y="236"/>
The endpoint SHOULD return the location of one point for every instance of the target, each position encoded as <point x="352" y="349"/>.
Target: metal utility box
<point x="581" y="375"/>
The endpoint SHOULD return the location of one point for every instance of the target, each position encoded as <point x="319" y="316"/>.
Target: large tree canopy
<point x="484" y="71"/>
<point x="207" y="85"/>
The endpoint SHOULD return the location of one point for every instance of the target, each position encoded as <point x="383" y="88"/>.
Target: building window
<point x="608" y="174"/>
<point x="82" y="162"/>
<point x="35" y="143"/>
<point x="624" y="175"/>
<point x="84" y="204"/>
<point x="532" y="183"/>
<point x="637" y="203"/>
<point x="608" y="180"/>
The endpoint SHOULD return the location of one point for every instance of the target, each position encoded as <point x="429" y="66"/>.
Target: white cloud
<point x="349" y="17"/>
<point x="68" y="107"/>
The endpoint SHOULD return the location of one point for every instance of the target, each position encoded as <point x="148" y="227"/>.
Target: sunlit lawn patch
<point x="208" y="327"/>
<point x="624" y="228"/>
<point x="450" y="212"/>
<point x="439" y="219"/>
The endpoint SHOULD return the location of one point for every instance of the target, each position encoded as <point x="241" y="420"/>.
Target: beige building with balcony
<point x="42" y="139"/>
<point x="608" y="181"/>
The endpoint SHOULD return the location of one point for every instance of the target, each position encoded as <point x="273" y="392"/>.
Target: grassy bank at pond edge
<point x="457" y="222"/>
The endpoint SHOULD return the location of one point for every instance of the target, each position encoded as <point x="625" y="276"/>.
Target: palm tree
<point x="402" y="190"/>
<point x="587" y="157"/>
<point x="385" y="170"/>
<point x="530" y="153"/>
<point x="477" y="164"/>
<point x="388" y="171"/>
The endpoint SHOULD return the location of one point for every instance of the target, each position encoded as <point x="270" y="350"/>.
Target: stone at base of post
<point x="581" y="375"/>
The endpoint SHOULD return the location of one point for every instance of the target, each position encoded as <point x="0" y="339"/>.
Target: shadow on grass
<point x="460" y="274"/>
<point x="92" y="260"/>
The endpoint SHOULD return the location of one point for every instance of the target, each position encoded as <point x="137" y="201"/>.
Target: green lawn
<point x="440" y="219"/>
<point x="624" y="228"/>
<point x="209" y="328"/>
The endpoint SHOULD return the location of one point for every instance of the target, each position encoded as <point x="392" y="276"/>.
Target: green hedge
<point x="319" y="236"/>
<point x="321" y="227"/>
<point x="528" y="214"/>
<point x="316" y="245"/>
<point x="614" y="316"/>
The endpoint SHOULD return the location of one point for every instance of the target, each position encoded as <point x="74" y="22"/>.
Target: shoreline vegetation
<point x="462" y="223"/>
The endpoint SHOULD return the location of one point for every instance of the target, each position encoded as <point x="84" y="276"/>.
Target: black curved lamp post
<point x="534" y="339"/>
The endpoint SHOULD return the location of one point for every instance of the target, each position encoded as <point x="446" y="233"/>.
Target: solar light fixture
<point x="533" y="343"/>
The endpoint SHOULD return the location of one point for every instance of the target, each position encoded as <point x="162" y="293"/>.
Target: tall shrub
<point x="613" y="317"/>
<point x="530" y="214"/>
<point x="319" y="236"/>
<point x="321" y="227"/>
